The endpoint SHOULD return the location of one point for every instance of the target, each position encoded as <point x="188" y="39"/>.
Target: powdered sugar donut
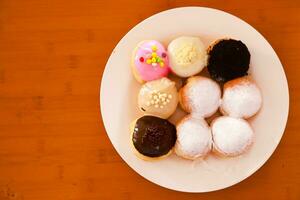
<point x="193" y="138"/>
<point x="200" y="96"/>
<point x="149" y="61"/>
<point x="241" y="98"/>
<point x="231" y="136"/>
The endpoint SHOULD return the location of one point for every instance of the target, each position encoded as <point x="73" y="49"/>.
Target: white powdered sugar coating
<point x="242" y="100"/>
<point x="193" y="138"/>
<point x="204" y="97"/>
<point x="231" y="136"/>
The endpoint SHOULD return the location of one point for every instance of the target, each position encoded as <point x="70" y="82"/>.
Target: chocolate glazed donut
<point x="228" y="59"/>
<point x="153" y="136"/>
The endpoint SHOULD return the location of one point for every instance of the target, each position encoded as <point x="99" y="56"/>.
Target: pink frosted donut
<point x="150" y="61"/>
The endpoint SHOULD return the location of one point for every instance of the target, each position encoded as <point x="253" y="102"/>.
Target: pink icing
<point x="147" y="71"/>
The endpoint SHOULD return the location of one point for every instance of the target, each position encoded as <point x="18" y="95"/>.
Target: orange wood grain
<point x="52" y="141"/>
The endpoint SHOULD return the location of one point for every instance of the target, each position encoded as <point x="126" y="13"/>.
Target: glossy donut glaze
<point x="153" y="136"/>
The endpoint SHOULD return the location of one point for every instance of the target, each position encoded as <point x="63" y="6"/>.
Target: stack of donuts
<point x="228" y="90"/>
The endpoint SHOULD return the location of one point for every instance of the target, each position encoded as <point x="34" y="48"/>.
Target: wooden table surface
<point x="52" y="141"/>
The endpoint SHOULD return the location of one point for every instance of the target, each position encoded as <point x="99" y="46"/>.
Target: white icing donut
<point x="241" y="98"/>
<point x="187" y="56"/>
<point x="200" y="96"/>
<point x="231" y="136"/>
<point x="158" y="98"/>
<point x="194" y="138"/>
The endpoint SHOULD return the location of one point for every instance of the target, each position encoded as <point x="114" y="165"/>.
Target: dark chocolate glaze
<point x="228" y="59"/>
<point x="153" y="136"/>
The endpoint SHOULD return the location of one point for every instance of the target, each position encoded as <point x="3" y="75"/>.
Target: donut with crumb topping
<point x="228" y="59"/>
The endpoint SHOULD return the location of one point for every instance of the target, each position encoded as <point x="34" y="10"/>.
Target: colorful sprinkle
<point x="161" y="64"/>
<point x="154" y="55"/>
<point x="154" y="48"/>
<point x="148" y="61"/>
<point x="153" y="60"/>
<point x="142" y="59"/>
<point x="164" y="55"/>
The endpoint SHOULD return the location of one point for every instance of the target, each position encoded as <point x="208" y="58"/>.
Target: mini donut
<point x="187" y="56"/>
<point x="231" y="136"/>
<point x="228" y="59"/>
<point x="149" y="61"/>
<point x="241" y="98"/>
<point x="200" y="96"/>
<point x="158" y="98"/>
<point x="194" y="138"/>
<point x="152" y="137"/>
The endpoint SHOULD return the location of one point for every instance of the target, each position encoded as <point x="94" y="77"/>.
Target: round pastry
<point x="153" y="137"/>
<point x="228" y="59"/>
<point x="200" y="96"/>
<point x="194" y="138"/>
<point x="231" y="136"/>
<point x="158" y="98"/>
<point x="187" y="56"/>
<point x="241" y="98"/>
<point x="149" y="61"/>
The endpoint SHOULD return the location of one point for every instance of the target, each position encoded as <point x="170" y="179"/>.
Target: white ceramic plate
<point x="119" y="99"/>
